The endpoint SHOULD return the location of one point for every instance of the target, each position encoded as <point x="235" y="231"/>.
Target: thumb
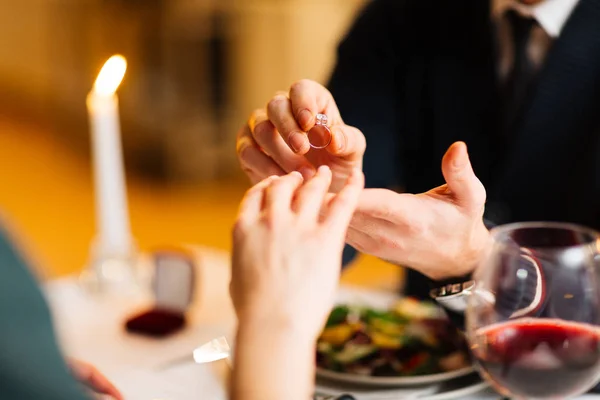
<point x="461" y="179"/>
<point x="347" y="142"/>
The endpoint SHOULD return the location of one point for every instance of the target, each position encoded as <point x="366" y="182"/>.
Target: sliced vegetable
<point x="390" y="316"/>
<point x="411" y="308"/>
<point x="415" y="361"/>
<point x="324" y="347"/>
<point x="424" y="334"/>
<point x="386" y="341"/>
<point x="354" y="352"/>
<point x="412" y="338"/>
<point x="454" y="361"/>
<point x="387" y="327"/>
<point x="337" y="316"/>
<point x="338" y="334"/>
<point x="422" y="364"/>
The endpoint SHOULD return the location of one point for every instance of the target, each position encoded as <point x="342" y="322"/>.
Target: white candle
<point x="112" y="217"/>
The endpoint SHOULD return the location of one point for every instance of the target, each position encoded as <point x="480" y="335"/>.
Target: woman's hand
<point x="88" y="375"/>
<point x="275" y="142"/>
<point x="286" y="257"/>
<point x="286" y="265"/>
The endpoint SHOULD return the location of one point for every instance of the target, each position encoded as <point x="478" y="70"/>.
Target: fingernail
<point x="323" y="169"/>
<point x="296" y="141"/>
<point x="461" y="158"/>
<point x="242" y="145"/>
<point x="305" y="119"/>
<point x="307" y="172"/>
<point x="340" y="139"/>
<point x="297" y="174"/>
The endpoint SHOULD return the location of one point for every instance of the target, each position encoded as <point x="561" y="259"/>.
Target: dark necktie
<point x="522" y="74"/>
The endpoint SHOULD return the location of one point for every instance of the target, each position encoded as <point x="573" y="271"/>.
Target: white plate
<point x="353" y="295"/>
<point x="460" y="393"/>
<point x="392" y="381"/>
<point x="468" y="387"/>
<point x="326" y="389"/>
<point x="364" y="297"/>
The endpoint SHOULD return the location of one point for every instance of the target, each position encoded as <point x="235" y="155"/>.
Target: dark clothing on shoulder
<point x="416" y="76"/>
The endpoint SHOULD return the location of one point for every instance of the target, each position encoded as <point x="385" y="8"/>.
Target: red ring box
<point x="173" y="286"/>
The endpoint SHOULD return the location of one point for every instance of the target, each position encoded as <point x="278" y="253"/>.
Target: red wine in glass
<point x="539" y="357"/>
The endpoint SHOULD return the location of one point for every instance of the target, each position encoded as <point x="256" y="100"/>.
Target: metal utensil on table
<point x="215" y="350"/>
<point x="319" y="396"/>
<point x="219" y="349"/>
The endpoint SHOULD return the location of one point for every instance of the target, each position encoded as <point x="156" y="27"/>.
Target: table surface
<point x="92" y="329"/>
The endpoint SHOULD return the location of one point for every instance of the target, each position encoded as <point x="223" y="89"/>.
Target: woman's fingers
<point x="342" y="206"/>
<point x="311" y="196"/>
<point x="251" y="205"/>
<point x="92" y="378"/>
<point x="279" y="195"/>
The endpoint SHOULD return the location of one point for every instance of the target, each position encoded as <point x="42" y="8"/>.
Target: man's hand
<point x="439" y="233"/>
<point x="275" y="142"/>
<point x="88" y="375"/>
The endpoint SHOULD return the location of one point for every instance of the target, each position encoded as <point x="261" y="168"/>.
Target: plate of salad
<point x="407" y="343"/>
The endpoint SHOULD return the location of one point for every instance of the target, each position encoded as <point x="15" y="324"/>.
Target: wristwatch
<point x="453" y="296"/>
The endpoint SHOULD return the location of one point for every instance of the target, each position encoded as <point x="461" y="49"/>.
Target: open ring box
<point x="173" y="287"/>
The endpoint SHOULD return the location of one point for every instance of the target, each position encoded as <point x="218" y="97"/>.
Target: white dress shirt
<point x="550" y="15"/>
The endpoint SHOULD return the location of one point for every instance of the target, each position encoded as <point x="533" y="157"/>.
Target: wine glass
<point x="533" y="316"/>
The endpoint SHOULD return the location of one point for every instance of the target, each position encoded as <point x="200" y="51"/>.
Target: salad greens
<point x="411" y="338"/>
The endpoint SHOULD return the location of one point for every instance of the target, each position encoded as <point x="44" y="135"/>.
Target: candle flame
<point x="110" y="76"/>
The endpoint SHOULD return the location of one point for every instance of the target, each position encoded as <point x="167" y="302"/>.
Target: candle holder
<point x="113" y="266"/>
<point x="116" y="274"/>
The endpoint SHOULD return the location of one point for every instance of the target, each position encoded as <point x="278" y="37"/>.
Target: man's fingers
<point x="261" y="134"/>
<point x="279" y="194"/>
<point x="347" y="142"/>
<point x="279" y="112"/>
<point x="311" y="196"/>
<point x="255" y="163"/>
<point x="254" y="177"/>
<point x="343" y="205"/>
<point x="461" y="179"/>
<point x="309" y="98"/>
<point x="259" y="118"/>
<point x="266" y="135"/>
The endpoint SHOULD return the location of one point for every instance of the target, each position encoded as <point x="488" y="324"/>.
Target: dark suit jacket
<point x="415" y="76"/>
<point x="31" y="365"/>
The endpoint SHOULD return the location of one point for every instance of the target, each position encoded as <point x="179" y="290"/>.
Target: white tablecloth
<point x="92" y="330"/>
